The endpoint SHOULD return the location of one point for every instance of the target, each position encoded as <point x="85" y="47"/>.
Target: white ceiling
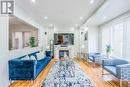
<point x="110" y="9"/>
<point x="59" y="12"/>
<point x="67" y="13"/>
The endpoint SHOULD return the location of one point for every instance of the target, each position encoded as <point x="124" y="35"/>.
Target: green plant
<point x="108" y="48"/>
<point x="32" y="42"/>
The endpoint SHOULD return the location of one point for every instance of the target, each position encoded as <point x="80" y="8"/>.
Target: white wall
<point x="3" y="51"/>
<point x="93" y="39"/>
<point x="126" y="35"/>
<point x="5" y="54"/>
<point x="80" y="44"/>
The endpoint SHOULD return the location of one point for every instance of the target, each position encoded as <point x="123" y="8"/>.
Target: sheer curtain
<point x="117" y="40"/>
<point x="106" y="38"/>
<point x="113" y="35"/>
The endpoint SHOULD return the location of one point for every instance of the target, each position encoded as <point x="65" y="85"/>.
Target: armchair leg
<point x="94" y="65"/>
<point x="102" y="72"/>
<point x="120" y="83"/>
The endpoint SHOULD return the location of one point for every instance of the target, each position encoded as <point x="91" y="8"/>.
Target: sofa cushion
<point x="42" y="63"/>
<point x="121" y="61"/>
<point x="25" y="58"/>
<point x="111" y="69"/>
<point x="48" y="53"/>
<point x="40" y="55"/>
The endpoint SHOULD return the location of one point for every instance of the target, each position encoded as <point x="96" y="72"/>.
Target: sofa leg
<point x="10" y="82"/>
<point x="120" y="83"/>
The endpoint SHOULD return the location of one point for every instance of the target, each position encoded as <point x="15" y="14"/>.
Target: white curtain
<point x="113" y="35"/>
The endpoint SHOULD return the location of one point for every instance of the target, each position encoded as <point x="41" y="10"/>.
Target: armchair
<point x="93" y="56"/>
<point x="120" y="68"/>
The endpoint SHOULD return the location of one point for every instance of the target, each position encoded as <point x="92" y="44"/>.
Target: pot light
<point x="104" y="17"/>
<point x="76" y="25"/>
<point x="82" y="46"/>
<point x="91" y="1"/>
<point x="72" y="28"/>
<point x="33" y="1"/>
<point x="51" y="25"/>
<point x="81" y="18"/>
<point x="45" y="17"/>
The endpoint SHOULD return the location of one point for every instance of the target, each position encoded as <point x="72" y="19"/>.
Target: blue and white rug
<point x="66" y="74"/>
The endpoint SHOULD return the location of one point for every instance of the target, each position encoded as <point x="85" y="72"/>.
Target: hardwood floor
<point x="94" y="74"/>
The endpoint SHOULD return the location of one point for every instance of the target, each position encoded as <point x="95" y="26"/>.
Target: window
<point x="26" y="37"/>
<point x="113" y="35"/>
<point x="20" y="39"/>
<point x="117" y="39"/>
<point x="106" y="38"/>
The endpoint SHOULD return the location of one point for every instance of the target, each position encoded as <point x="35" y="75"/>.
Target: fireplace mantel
<point x="57" y="48"/>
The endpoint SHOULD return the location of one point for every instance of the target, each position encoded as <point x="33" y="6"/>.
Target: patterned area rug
<point x="66" y="74"/>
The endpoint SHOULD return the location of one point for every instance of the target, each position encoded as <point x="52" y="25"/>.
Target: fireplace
<point x="63" y="53"/>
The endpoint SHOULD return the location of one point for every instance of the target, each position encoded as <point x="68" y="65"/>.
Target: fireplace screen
<point x="63" y="53"/>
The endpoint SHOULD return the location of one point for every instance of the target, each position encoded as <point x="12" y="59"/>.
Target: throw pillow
<point x="25" y="58"/>
<point x="40" y="55"/>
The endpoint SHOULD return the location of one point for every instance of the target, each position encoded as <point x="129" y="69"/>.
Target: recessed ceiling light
<point x="72" y="28"/>
<point x="81" y="18"/>
<point x="91" y="1"/>
<point x="76" y="25"/>
<point x="45" y="17"/>
<point x="104" y="17"/>
<point x="33" y="1"/>
<point x="51" y="25"/>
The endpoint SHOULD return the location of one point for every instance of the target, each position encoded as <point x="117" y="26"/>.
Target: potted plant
<point x="108" y="50"/>
<point x="32" y="42"/>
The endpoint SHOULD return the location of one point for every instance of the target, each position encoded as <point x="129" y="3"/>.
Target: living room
<point x="88" y="34"/>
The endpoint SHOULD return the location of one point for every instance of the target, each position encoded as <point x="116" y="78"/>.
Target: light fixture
<point x="91" y="1"/>
<point x="82" y="46"/>
<point x="45" y="17"/>
<point x="51" y="25"/>
<point x="86" y="29"/>
<point x="76" y="25"/>
<point x="33" y="1"/>
<point x="72" y="28"/>
<point x="104" y="17"/>
<point x="80" y="18"/>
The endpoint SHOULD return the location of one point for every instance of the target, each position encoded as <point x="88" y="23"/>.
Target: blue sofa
<point x="27" y="69"/>
<point x="118" y="67"/>
<point x="48" y="53"/>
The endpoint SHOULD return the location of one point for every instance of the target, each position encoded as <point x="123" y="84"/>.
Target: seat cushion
<point x="111" y="69"/>
<point x="91" y="58"/>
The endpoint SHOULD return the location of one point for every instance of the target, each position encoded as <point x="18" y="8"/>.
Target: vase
<point x="108" y="55"/>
